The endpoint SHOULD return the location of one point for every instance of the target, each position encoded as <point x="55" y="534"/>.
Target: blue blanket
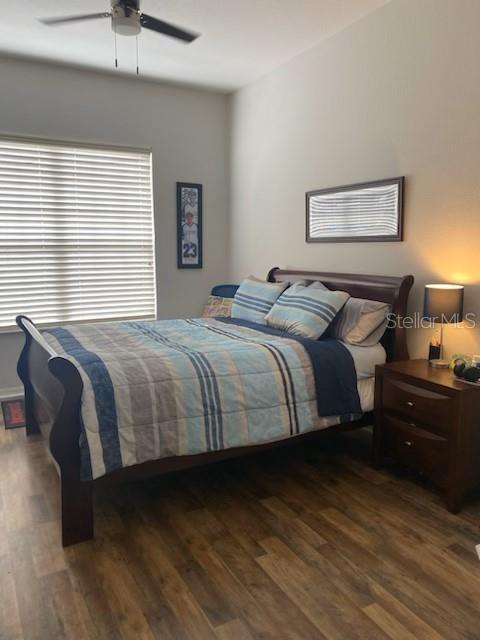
<point x="181" y="387"/>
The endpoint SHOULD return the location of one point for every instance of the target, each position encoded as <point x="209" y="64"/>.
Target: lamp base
<point x="439" y="364"/>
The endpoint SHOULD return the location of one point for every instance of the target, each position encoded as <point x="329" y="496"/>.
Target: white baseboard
<point x="9" y="393"/>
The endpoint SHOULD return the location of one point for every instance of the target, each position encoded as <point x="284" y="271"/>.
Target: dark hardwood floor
<point x="306" y="543"/>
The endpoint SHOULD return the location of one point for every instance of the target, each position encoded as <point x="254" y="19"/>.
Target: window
<point x="76" y="233"/>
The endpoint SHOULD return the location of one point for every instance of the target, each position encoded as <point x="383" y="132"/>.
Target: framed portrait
<point x="189" y="225"/>
<point x="366" y="212"/>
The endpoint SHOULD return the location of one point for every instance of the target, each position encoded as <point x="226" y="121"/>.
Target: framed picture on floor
<point x="13" y="413"/>
<point x="189" y="225"/>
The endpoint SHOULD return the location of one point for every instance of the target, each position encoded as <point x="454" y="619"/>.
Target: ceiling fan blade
<point x="167" y="29"/>
<point x="51" y="22"/>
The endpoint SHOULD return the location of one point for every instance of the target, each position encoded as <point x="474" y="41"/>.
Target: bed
<point x="94" y="391"/>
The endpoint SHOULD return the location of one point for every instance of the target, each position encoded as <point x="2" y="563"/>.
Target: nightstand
<point x="426" y="419"/>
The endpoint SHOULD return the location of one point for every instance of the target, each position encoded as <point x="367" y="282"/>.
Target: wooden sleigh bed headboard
<point x="390" y="289"/>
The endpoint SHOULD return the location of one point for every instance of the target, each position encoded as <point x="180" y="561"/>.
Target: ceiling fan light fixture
<point x="125" y="25"/>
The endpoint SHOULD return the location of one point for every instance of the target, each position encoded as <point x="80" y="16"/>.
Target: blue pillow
<point x="306" y="311"/>
<point x="224" y="290"/>
<point x="254" y="299"/>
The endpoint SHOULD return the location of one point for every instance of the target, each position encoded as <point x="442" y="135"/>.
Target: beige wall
<point x="188" y="132"/>
<point x="397" y="93"/>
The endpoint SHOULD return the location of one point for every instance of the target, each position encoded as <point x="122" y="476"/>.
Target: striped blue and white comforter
<point x="178" y="387"/>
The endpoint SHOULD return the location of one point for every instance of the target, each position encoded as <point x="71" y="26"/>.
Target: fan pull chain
<point x="115" y="40"/>
<point x="136" y="44"/>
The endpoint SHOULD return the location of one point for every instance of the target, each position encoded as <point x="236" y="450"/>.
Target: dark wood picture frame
<point x="397" y="237"/>
<point x="183" y="261"/>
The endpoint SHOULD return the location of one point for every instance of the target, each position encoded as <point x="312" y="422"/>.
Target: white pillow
<point x="372" y="322"/>
<point x="360" y="322"/>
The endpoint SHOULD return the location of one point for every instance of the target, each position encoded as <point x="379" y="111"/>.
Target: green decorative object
<point x="457" y="358"/>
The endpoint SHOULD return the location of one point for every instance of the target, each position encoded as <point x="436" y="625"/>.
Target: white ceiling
<point x="241" y="39"/>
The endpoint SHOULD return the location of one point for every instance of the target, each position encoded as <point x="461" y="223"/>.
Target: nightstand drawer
<point x="417" y="448"/>
<point x="417" y="404"/>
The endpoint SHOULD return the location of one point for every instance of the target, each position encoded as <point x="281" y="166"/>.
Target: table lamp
<point x="443" y="304"/>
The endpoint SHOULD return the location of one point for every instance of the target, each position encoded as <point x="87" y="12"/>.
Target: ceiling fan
<point x="128" y="20"/>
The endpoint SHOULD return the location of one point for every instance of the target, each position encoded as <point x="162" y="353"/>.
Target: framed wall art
<point x="189" y="225"/>
<point x="365" y="212"/>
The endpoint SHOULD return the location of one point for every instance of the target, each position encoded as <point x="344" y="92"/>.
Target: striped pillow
<point x="306" y="311"/>
<point x="254" y="299"/>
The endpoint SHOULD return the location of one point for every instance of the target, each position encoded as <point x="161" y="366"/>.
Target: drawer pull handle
<point x="409" y="443"/>
<point x="410" y="403"/>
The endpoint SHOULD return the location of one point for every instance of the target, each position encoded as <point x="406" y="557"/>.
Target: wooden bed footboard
<point x="53" y="391"/>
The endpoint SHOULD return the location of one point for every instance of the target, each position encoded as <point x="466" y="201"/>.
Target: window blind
<point x="76" y="233"/>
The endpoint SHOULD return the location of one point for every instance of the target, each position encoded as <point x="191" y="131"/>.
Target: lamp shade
<point x="443" y="302"/>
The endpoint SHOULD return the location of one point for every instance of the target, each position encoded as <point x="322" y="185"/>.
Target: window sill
<point x="12" y="329"/>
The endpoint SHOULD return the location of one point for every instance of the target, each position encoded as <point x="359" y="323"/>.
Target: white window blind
<point x="76" y="233"/>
